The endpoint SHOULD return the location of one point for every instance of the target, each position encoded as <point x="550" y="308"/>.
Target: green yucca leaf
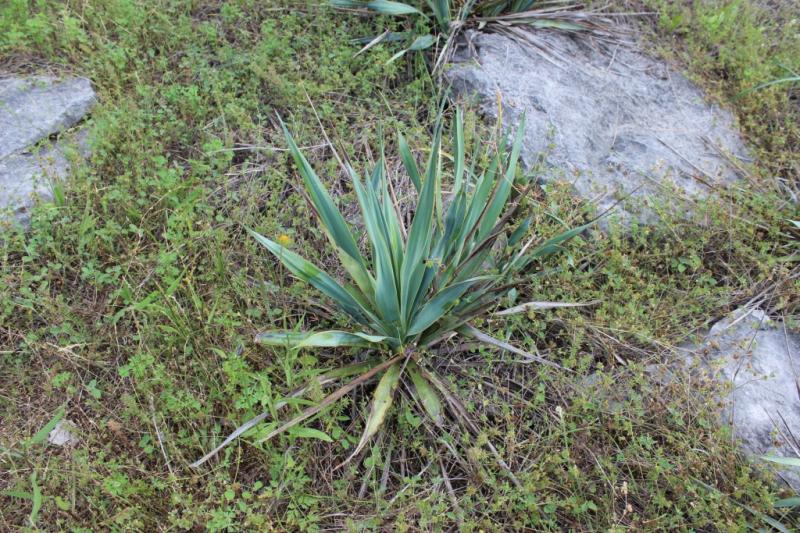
<point x="387" y="7"/>
<point x="311" y="274"/>
<point x="389" y="217"/>
<point x="787" y="79"/>
<point x="550" y="246"/>
<point x="386" y="294"/>
<point x="458" y="152"/>
<point x="408" y="162"/>
<point x="479" y="203"/>
<point x="422" y="42"/>
<point x="553" y="245"/>
<point x="788" y="502"/>
<point x="453" y="222"/>
<point x="787" y="461"/>
<point x="441" y="11"/>
<point x="332" y="220"/>
<point x="361" y="276"/>
<point x="381" y="402"/>
<point x="330" y="339"/>
<point x="438" y="305"/>
<point x="426" y="394"/>
<point x="387" y="36"/>
<point x="419" y="236"/>
<point x="503" y="189"/>
<point x="384" y="7"/>
<point x="472" y="264"/>
<point x="44" y="432"/>
<point x="520" y="232"/>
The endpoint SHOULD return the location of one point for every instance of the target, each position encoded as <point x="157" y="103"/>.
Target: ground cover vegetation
<point x="132" y="306"/>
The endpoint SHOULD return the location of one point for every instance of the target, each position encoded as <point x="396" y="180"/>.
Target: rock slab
<point x="760" y="361"/>
<point x="31" y="110"/>
<point x="605" y="117"/>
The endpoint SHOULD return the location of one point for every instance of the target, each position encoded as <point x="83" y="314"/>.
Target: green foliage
<point x="451" y="16"/>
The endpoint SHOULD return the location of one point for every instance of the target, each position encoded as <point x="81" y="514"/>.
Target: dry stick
<point x="451" y="493"/>
<point x="710" y="184"/>
<point x="461" y="413"/>
<point x="706" y="139"/>
<point x="324" y="134"/>
<point x="158" y="435"/>
<point x="321" y="380"/>
<point x="543" y="305"/>
<point x="449" y="447"/>
<point x="331" y="398"/>
<point x="362" y="492"/>
<point x="396" y="206"/>
<point x="511" y="348"/>
<point x="385" y="472"/>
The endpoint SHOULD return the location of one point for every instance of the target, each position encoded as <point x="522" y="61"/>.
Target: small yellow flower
<point x="284" y="239"/>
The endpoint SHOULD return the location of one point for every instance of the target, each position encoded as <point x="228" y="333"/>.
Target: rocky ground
<point x="133" y="155"/>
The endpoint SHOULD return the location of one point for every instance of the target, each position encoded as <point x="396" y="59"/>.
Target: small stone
<point x="62" y="435"/>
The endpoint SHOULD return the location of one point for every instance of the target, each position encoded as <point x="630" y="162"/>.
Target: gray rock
<point x="761" y="363"/>
<point x="606" y="118"/>
<point x="62" y="434"/>
<point x="31" y="110"/>
<point x="26" y="177"/>
<point x="34" y="108"/>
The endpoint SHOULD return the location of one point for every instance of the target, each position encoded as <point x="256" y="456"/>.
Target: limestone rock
<point x="24" y="177"/>
<point x="606" y="118"/>
<point x="31" y="110"/>
<point x="34" y="108"/>
<point x="761" y="363"/>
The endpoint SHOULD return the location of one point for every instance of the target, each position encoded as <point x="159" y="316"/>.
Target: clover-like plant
<point x="418" y="285"/>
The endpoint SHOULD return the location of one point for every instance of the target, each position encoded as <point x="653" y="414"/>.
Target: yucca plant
<point x="418" y="285"/>
<point x="451" y="16"/>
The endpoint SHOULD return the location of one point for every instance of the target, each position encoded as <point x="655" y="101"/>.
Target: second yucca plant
<point x="418" y="285"/>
